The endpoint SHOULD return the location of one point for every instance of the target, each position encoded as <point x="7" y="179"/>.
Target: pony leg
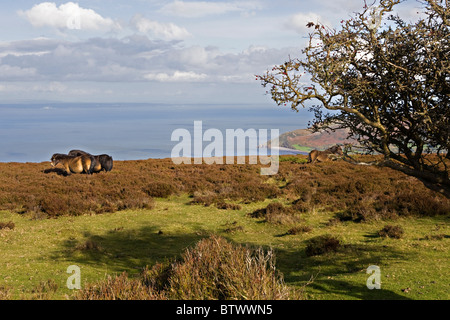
<point x="87" y="169"/>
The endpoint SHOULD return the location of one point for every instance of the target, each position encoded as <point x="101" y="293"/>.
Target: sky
<point x="176" y="51"/>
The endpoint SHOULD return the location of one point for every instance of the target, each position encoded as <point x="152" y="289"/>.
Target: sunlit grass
<point x="36" y="251"/>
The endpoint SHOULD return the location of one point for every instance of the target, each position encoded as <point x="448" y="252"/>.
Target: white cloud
<point x="167" y="31"/>
<point x="195" y="9"/>
<point x="177" y="76"/>
<point x="67" y="16"/>
<point x="26" y="87"/>
<point x="52" y="87"/>
<point x="297" y="22"/>
<point x="133" y="59"/>
<point x="8" y="72"/>
<point x="196" y="56"/>
<point x="410" y="12"/>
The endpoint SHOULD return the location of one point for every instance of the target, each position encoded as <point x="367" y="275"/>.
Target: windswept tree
<point x="385" y="79"/>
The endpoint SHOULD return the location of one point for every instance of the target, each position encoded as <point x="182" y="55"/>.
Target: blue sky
<point x="176" y="51"/>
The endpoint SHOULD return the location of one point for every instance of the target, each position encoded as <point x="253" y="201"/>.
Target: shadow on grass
<point x="352" y="291"/>
<point x="131" y="250"/>
<point x="351" y="260"/>
<point x="58" y="171"/>
<point x="127" y="250"/>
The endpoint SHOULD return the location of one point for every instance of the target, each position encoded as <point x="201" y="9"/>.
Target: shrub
<point x="206" y="198"/>
<point x="118" y="288"/>
<point x="159" y="189"/>
<point x="358" y="213"/>
<point x="228" y="206"/>
<point x="301" y="206"/>
<point x="254" y="191"/>
<point x="277" y="213"/>
<point x="272" y="208"/>
<point x="391" y="231"/>
<point x="299" y="229"/>
<point x="216" y="269"/>
<point x="321" y="245"/>
<point x="419" y="204"/>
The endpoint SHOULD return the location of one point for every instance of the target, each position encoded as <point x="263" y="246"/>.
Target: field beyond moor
<point x="134" y="232"/>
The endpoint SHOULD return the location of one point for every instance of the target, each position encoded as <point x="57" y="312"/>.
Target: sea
<point x="32" y="132"/>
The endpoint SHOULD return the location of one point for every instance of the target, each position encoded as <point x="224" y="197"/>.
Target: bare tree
<point x="386" y="80"/>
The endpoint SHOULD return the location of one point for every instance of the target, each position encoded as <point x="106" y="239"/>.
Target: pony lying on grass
<point x="329" y="154"/>
<point x="74" y="164"/>
<point x="101" y="162"/>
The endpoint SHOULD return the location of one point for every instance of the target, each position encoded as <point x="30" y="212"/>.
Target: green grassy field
<point x="35" y="254"/>
<point x="302" y="148"/>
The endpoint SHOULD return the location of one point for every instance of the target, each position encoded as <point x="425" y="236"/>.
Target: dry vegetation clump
<point x="5" y="293"/>
<point x="390" y="231"/>
<point x="322" y="244"/>
<point x="89" y="245"/>
<point x="234" y="228"/>
<point x="159" y="189"/>
<point x="299" y="229"/>
<point x="7" y="225"/>
<point x="356" y="193"/>
<point x="217" y="269"/>
<point x="44" y="289"/>
<point x="277" y="213"/>
<point x="213" y="269"/>
<point x="205" y="198"/>
<point x="119" y="287"/>
<point x="273" y="208"/>
<point x="228" y="206"/>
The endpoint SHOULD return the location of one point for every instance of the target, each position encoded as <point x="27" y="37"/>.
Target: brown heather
<point x="390" y="231"/>
<point x="322" y="245"/>
<point x="354" y="193"/>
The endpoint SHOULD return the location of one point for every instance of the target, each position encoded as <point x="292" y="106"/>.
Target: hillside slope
<point x="306" y="139"/>
<point x="145" y="212"/>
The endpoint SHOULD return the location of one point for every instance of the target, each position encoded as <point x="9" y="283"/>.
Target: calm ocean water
<point x="33" y="132"/>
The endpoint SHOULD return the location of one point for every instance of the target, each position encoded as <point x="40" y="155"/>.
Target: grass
<point x="37" y="248"/>
<point x="213" y="269"/>
<point x="302" y="148"/>
<point x="38" y="251"/>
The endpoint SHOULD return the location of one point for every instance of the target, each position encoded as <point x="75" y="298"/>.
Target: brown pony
<point x="101" y="162"/>
<point x="73" y="164"/>
<point x="321" y="156"/>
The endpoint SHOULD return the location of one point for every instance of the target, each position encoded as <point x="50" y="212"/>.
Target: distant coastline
<point x="304" y="140"/>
